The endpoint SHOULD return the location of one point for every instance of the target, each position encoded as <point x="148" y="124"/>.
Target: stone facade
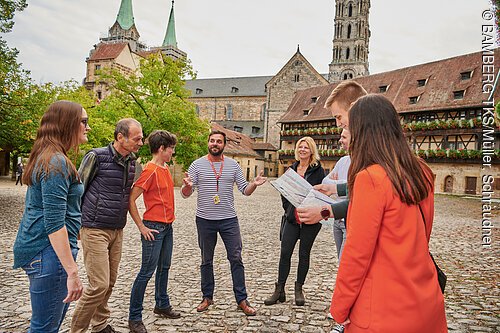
<point x="463" y="178"/>
<point x="230" y="108"/>
<point x="297" y="74"/>
<point x="350" y="40"/>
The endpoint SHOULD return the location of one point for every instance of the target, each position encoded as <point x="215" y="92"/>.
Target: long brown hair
<point x="58" y="132"/>
<point x="377" y="138"/>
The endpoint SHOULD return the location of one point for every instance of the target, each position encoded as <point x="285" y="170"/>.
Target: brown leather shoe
<point x="204" y="304"/>
<point x="167" y="313"/>
<point x="247" y="308"/>
<point x="137" y="326"/>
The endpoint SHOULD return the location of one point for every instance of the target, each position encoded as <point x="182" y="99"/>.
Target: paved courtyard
<point x="472" y="294"/>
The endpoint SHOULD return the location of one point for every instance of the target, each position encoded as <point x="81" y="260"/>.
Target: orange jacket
<point x="386" y="280"/>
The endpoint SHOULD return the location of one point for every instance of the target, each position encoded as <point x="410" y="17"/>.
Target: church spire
<point x="170" y="39"/>
<point x="125" y="17"/>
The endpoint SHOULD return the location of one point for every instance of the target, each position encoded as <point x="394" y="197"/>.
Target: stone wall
<point x="458" y="173"/>
<point x="244" y="108"/>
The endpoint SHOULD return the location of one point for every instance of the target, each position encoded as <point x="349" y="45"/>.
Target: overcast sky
<point x="231" y="38"/>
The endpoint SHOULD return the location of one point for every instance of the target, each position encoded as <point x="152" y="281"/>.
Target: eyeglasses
<point x="85" y="122"/>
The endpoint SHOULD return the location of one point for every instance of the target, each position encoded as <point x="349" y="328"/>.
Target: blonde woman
<point x="308" y="166"/>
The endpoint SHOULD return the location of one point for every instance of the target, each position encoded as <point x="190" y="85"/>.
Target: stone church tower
<point x="350" y="40"/>
<point x="124" y="30"/>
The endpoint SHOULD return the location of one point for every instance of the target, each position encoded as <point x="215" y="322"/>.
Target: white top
<point x="205" y="182"/>
<point x="341" y="168"/>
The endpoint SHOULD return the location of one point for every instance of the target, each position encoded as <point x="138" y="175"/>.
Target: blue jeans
<point x="339" y="234"/>
<point x="156" y="255"/>
<point x="229" y="230"/>
<point x="48" y="289"/>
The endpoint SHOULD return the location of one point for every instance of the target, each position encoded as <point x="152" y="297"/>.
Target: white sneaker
<point x="338" y="329"/>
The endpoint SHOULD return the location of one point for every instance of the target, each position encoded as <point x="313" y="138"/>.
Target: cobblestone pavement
<point x="472" y="295"/>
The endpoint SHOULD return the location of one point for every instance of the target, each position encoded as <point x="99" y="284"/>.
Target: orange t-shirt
<point x="158" y="195"/>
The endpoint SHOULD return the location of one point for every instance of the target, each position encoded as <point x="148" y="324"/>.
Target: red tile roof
<point x="443" y="78"/>
<point x="237" y="143"/>
<point x="107" y="51"/>
<point x="263" y="146"/>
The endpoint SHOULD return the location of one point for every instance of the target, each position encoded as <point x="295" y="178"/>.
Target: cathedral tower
<point x="124" y="30"/>
<point x="350" y="40"/>
<point x="169" y="46"/>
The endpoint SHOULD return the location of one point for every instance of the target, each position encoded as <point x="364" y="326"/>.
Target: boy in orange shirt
<point x="157" y="188"/>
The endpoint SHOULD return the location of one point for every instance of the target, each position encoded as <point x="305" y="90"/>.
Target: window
<point x="314" y="99"/>
<point x="466" y="75"/>
<point x="349" y="31"/>
<point x="234" y="90"/>
<point x="306" y="112"/>
<point x="459" y="94"/>
<point x="255" y="130"/>
<point x="229" y="112"/>
<point x="350" y="10"/>
<point x="197" y="109"/>
<point x="199" y="91"/>
<point x="382" y="89"/>
<point x="97" y="67"/>
<point x="263" y="111"/>
<point x="296" y="78"/>
<point x="413" y="99"/>
<point x="421" y="82"/>
<point x="99" y="95"/>
<point x="238" y="129"/>
<point x="347" y="53"/>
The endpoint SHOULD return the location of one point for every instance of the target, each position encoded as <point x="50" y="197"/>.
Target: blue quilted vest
<point x="105" y="202"/>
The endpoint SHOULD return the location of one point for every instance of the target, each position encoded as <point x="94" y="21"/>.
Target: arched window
<point x="350" y="9"/>
<point x="349" y="28"/>
<point x="347" y="53"/>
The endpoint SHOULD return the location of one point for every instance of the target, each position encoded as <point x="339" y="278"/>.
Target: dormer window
<point x="414" y="99"/>
<point x="314" y="99"/>
<point x="459" y="94"/>
<point x="306" y="112"/>
<point x="234" y="90"/>
<point x="421" y="82"/>
<point x="383" y="89"/>
<point x="466" y="75"/>
<point x="199" y="91"/>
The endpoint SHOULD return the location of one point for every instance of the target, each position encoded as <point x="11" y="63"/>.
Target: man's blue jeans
<point x="48" y="289"/>
<point x="229" y="230"/>
<point x="156" y="255"/>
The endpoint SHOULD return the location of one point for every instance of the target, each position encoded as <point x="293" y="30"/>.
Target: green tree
<point x="156" y="97"/>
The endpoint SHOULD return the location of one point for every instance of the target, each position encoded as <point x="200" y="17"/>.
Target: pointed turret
<point x="169" y="46"/>
<point x="124" y="30"/>
<point x="170" y="39"/>
<point x="125" y="17"/>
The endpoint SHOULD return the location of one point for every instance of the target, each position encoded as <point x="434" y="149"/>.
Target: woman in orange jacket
<point x="386" y="280"/>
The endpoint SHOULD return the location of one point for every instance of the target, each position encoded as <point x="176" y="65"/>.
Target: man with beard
<point x="214" y="175"/>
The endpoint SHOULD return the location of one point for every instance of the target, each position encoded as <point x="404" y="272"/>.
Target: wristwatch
<point x="325" y="213"/>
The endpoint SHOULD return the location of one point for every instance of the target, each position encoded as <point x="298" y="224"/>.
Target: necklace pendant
<point x="216" y="199"/>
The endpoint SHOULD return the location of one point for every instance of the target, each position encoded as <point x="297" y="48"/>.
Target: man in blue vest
<point x="107" y="174"/>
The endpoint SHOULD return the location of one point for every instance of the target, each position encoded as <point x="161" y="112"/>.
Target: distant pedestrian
<point x="156" y="186"/>
<point x="19" y="173"/>
<point x="214" y="176"/>
<point x="107" y="174"/>
<point x="46" y="243"/>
